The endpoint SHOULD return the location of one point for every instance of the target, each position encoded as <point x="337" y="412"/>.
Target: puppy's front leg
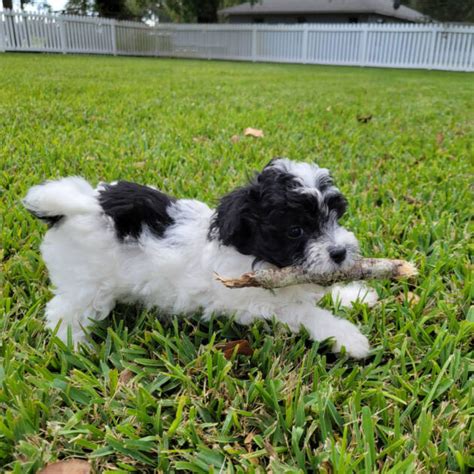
<point x="321" y="325"/>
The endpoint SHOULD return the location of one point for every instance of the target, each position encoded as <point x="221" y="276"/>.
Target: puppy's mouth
<point x="321" y="259"/>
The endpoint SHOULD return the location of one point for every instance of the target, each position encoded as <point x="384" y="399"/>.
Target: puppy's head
<point x="288" y="215"/>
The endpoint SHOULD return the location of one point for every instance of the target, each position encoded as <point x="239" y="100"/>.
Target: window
<point x="301" y="19"/>
<point x="353" y="19"/>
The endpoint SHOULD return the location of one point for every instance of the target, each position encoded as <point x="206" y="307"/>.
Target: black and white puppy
<point x="124" y="242"/>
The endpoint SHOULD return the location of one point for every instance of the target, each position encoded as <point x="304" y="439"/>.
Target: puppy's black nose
<point x="337" y="253"/>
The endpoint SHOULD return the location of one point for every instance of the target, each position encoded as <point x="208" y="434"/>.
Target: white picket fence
<point x="426" y="46"/>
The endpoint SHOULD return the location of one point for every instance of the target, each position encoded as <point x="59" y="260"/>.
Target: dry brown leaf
<point x="70" y="466"/>
<point x="200" y="139"/>
<point x="248" y="445"/>
<point x="243" y="348"/>
<point x="235" y="138"/>
<point x="125" y="376"/>
<point x="326" y="468"/>
<point x="439" y="139"/>
<point x="411" y="199"/>
<point x="253" y="132"/>
<point x="139" y="164"/>
<point x="364" y="118"/>
<point x="270" y="449"/>
<point x="411" y="298"/>
<point x="249" y="438"/>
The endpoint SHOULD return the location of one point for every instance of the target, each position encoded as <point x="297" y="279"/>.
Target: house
<point x="321" y="11"/>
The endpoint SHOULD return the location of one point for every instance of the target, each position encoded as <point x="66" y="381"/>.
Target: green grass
<point x="154" y="395"/>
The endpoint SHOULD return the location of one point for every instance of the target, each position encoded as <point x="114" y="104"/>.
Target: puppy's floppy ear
<point x="272" y="161"/>
<point x="236" y="217"/>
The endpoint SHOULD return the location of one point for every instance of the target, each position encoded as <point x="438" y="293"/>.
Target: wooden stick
<point x="363" y="269"/>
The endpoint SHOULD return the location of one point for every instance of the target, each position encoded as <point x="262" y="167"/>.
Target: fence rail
<point x="426" y="46"/>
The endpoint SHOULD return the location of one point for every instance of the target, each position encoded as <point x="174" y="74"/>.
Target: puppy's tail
<point x="54" y="200"/>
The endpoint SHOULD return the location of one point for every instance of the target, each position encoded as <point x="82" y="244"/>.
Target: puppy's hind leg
<point x="79" y="252"/>
<point x="60" y="311"/>
<point x="69" y="311"/>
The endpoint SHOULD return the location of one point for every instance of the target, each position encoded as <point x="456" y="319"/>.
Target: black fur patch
<point x="133" y="206"/>
<point x="50" y="220"/>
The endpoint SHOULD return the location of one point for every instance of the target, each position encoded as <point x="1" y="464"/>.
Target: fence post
<point x="2" y="33"/>
<point x="431" y="57"/>
<point x="470" y="66"/>
<point x="12" y="34"/>
<point x="156" y="35"/>
<point x="206" y="45"/>
<point x="114" y="37"/>
<point x="363" y="45"/>
<point x="254" y="43"/>
<point x="62" y="34"/>
<point x="304" y="45"/>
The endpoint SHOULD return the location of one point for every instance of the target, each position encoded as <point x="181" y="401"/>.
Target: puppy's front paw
<point x="356" y="344"/>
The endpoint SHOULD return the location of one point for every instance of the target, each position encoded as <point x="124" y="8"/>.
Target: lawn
<point x="155" y="394"/>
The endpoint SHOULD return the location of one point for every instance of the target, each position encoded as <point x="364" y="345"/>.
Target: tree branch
<point x="363" y="269"/>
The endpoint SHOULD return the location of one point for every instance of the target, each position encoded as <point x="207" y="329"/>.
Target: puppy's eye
<point x="295" y="232"/>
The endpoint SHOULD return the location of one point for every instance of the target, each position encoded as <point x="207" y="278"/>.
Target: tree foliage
<point x="200" y="11"/>
<point x="182" y="11"/>
<point x="119" y="9"/>
<point x="80" y="7"/>
<point x="8" y="4"/>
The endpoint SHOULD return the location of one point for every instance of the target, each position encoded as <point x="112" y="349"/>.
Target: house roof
<point x="381" y="7"/>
